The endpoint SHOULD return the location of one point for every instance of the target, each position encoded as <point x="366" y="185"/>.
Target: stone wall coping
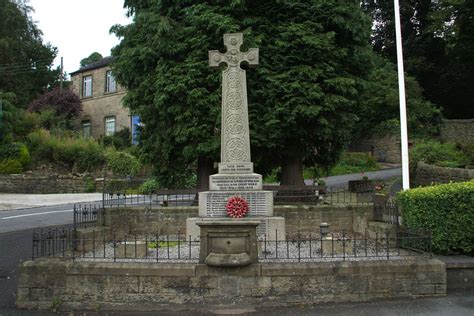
<point x="61" y="266"/>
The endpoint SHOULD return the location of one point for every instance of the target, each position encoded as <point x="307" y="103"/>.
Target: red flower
<point x="237" y="207"/>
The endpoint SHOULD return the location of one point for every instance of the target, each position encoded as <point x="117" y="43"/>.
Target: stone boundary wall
<point x="457" y="130"/>
<point x="428" y="174"/>
<point x="149" y="286"/>
<point x="303" y="218"/>
<point x="384" y="149"/>
<point x="23" y="183"/>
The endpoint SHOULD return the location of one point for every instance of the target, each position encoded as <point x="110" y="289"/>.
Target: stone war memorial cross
<point x="235" y="179"/>
<point x="235" y="140"/>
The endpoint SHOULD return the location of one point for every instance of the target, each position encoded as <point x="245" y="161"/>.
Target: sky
<point x="78" y="27"/>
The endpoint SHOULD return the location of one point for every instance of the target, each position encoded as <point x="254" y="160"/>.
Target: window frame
<point x="109" y="75"/>
<point x="84" y="90"/>
<point x="84" y="125"/>
<point x="107" y="133"/>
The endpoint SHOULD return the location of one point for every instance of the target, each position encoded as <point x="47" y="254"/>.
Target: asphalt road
<point x="37" y="217"/>
<point x="341" y="181"/>
<point x="15" y="248"/>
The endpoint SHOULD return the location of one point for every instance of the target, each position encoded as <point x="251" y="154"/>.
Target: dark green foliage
<point x="8" y="116"/>
<point x="447" y="210"/>
<point x="436" y="153"/>
<point x="121" y="163"/>
<point x="379" y="112"/>
<point x="95" y="56"/>
<point x="17" y="151"/>
<point x="457" y="89"/>
<point x="467" y="147"/>
<point x="90" y="185"/>
<point x="120" y="140"/>
<point x="149" y="186"/>
<point x="25" y="62"/>
<point x="438" y="40"/>
<point x="74" y="153"/>
<point x="302" y="96"/>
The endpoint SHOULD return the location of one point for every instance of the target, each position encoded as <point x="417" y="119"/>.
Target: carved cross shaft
<point x="235" y="140"/>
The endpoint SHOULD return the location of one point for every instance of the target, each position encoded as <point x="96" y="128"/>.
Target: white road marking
<point x="36" y="214"/>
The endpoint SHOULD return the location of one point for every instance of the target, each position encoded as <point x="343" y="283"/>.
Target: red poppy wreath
<point x="237" y="207"/>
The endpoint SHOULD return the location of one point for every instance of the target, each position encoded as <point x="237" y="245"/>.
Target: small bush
<point x="10" y="166"/>
<point x="149" y="186"/>
<point x="436" y="153"/>
<point x="467" y="147"/>
<point x="120" y="140"/>
<point x="122" y="163"/>
<point x="447" y="210"/>
<point x="16" y="151"/>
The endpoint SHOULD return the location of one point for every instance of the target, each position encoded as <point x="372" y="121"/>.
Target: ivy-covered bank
<point x="447" y="210"/>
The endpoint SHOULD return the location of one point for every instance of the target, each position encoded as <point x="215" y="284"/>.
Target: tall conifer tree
<point x="314" y="56"/>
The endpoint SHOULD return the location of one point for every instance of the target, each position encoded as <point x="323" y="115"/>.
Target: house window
<point x="109" y="125"/>
<point x="87" y="86"/>
<point x="136" y="123"/>
<point x="86" y="129"/>
<point x="110" y="85"/>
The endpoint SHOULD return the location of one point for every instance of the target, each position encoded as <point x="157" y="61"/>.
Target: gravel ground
<point x="282" y="251"/>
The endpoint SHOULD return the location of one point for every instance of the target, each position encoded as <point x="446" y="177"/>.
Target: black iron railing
<point x="53" y="242"/>
<point x="387" y="212"/>
<point x="88" y="215"/>
<point x="297" y="247"/>
<point x="281" y="194"/>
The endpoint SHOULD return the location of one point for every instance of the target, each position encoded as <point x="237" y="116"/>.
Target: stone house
<point x="101" y="98"/>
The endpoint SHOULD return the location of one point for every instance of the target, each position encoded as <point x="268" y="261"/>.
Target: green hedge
<point x="447" y="210"/>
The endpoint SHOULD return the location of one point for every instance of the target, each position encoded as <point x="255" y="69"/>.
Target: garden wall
<point x="385" y="148"/>
<point x="456" y="130"/>
<point x="24" y="183"/>
<point x="428" y="174"/>
<point x="303" y="218"/>
<point x="150" y="286"/>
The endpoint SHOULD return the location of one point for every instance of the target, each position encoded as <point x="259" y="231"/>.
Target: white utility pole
<point x="401" y="95"/>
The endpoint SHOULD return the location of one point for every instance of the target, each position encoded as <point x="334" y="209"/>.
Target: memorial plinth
<point x="236" y="177"/>
<point x="228" y="242"/>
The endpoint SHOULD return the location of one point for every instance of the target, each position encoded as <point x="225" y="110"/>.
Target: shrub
<point x="447" y="210"/>
<point x="64" y="102"/>
<point x="122" y="163"/>
<point x="120" y="140"/>
<point x="436" y="153"/>
<point x="78" y="153"/>
<point x="15" y="151"/>
<point x="467" y="147"/>
<point x="10" y="166"/>
<point x="149" y="186"/>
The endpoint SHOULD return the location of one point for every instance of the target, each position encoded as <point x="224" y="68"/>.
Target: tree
<point x="64" y="104"/>
<point x="95" y="56"/>
<point x="437" y="45"/>
<point x="25" y="62"/>
<point x="457" y="90"/>
<point x="380" y="111"/>
<point x="302" y="96"/>
<point x="8" y="116"/>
